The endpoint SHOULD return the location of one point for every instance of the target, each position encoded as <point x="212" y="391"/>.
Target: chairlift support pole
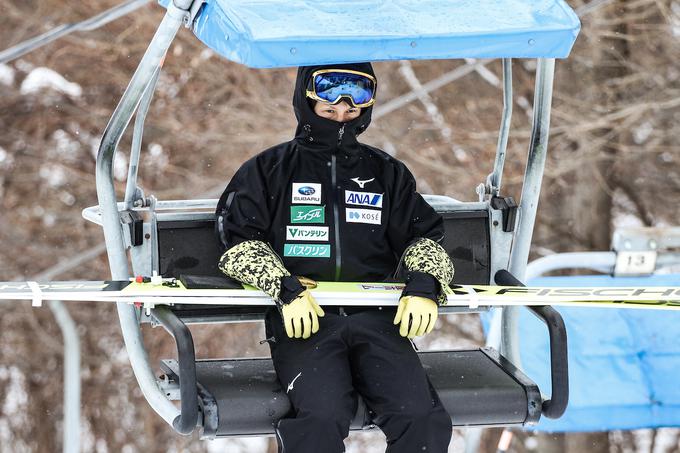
<point x="531" y="190"/>
<point x="143" y="78"/>
<point x="131" y="191"/>
<point x="71" y="439"/>
<point x="493" y="183"/>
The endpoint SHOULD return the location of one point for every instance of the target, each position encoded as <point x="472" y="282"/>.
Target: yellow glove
<point x="420" y="311"/>
<point x="301" y="316"/>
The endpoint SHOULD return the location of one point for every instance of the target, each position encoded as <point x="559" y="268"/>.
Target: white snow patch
<point x="238" y="445"/>
<point x="675" y="19"/>
<point x="6" y="75"/>
<point x="67" y="198"/>
<point x="65" y="146"/>
<point x="16" y="396"/>
<point x="207" y="54"/>
<point x="155" y="150"/>
<point x="49" y="220"/>
<point x="666" y="157"/>
<point x="120" y="167"/>
<point x="23" y="66"/>
<point x="623" y="216"/>
<point x="642" y="132"/>
<point x="461" y="154"/>
<point x="45" y="78"/>
<point x="55" y="176"/>
<point x="6" y="159"/>
<point x="101" y="446"/>
<point x="627" y="221"/>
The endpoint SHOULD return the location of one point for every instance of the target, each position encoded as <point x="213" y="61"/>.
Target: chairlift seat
<point x="477" y="387"/>
<point x="187" y="245"/>
<point x="243" y="397"/>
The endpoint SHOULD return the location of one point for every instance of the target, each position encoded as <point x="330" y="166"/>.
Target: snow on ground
<point x="44" y="78"/>
<point x="12" y="409"/>
<point x="55" y="176"/>
<point x="6" y="75"/>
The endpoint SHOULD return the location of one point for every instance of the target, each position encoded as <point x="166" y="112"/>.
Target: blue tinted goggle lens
<point x="331" y="86"/>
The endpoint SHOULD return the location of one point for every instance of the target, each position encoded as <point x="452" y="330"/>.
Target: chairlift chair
<point x="485" y="239"/>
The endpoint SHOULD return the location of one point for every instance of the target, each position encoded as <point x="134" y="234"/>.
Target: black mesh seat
<point x="477" y="387"/>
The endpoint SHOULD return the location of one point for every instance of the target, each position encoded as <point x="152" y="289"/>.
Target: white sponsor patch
<point x="306" y="233"/>
<point x="364" y="198"/>
<point x="362" y="216"/>
<point x="306" y="193"/>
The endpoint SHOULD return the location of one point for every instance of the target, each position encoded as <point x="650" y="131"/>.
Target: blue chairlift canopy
<point x="275" y="33"/>
<point x="623" y="364"/>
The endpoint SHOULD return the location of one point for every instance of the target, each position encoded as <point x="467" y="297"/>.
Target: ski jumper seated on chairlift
<point x="325" y="207"/>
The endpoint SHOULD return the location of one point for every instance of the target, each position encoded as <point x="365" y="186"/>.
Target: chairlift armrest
<point x="186" y="422"/>
<point x="559" y="360"/>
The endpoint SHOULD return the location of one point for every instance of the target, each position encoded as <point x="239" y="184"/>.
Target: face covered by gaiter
<point x="317" y="132"/>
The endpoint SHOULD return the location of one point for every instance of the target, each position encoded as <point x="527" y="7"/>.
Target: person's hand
<point x="301" y="316"/>
<point x="420" y="311"/>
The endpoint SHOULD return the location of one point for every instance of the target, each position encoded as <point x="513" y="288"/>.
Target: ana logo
<point x="306" y="190"/>
<point x="364" y="199"/>
<point x="307" y="214"/>
<point x="363" y="216"/>
<point x="306" y="193"/>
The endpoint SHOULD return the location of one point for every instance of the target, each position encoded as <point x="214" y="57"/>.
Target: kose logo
<point x="306" y="190"/>
<point x="354" y="215"/>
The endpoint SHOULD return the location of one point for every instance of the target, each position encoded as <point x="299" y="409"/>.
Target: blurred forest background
<point x="613" y="160"/>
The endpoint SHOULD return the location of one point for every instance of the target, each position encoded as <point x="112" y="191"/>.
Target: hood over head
<point x="317" y="132"/>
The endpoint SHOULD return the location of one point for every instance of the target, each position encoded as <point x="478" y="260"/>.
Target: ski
<point x="171" y="292"/>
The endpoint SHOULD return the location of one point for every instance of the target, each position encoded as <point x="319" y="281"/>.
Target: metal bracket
<point x="637" y="249"/>
<point x="155" y="264"/>
<point x="192" y="13"/>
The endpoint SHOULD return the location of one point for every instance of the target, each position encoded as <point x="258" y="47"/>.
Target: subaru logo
<point x="306" y="190"/>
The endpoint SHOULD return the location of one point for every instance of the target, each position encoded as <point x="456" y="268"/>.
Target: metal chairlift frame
<point x="509" y="249"/>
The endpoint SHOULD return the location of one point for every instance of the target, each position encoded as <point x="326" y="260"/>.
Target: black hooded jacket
<point x="332" y="208"/>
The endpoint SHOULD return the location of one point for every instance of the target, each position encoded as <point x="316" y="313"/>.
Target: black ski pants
<point x="356" y="353"/>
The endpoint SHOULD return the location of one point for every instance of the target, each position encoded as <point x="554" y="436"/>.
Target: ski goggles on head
<point x="334" y="85"/>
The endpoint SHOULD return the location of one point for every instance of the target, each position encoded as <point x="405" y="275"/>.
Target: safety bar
<point x="94" y="213"/>
<point x="186" y="357"/>
<point x="559" y="360"/>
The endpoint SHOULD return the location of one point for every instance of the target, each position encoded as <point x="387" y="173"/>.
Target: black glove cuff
<point x="290" y="289"/>
<point x="421" y="284"/>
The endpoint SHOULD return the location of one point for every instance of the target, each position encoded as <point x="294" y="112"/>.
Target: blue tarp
<point x="624" y="364"/>
<point x="275" y="33"/>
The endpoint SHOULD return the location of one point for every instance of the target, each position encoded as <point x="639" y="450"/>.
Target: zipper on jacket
<point x="334" y="181"/>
